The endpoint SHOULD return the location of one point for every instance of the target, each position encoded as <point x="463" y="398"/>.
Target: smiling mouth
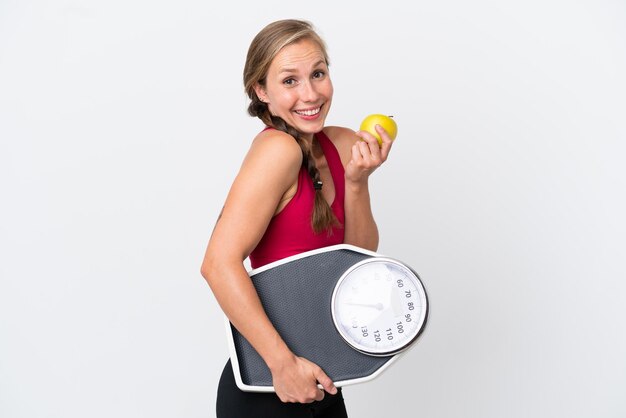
<point x="309" y="112"/>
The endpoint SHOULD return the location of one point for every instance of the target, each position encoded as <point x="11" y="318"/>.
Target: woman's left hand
<point x="367" y="155"/>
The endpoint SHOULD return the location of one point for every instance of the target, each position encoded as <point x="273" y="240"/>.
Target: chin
<point x="315" y="127"/>
<point x="311" y="127"/>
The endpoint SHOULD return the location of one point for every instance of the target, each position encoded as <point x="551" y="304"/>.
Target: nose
<point x="309" y="92"/>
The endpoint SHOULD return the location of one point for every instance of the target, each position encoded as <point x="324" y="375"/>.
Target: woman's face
<point x="298" y="87"/>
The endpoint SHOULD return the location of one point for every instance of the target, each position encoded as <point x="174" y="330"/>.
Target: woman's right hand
<point x="296" y="379"/>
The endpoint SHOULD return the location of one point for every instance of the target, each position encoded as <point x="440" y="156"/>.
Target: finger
<point x="283" y="398"/>
<point x="364" y="135"/>
<point x="368" y="138"/>
<point x="319" y="395"/>
<point x="387" y="142"/>
<point x="373" y="150"/>
<point x="366" y="151"/>
<point x="325" y="381"/>
<point x="374" y="145"/>
<point x="372" y="157"/>
<point x="357" y="155"/>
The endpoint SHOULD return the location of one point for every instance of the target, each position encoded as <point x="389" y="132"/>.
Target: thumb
<point x="325" y="381"/>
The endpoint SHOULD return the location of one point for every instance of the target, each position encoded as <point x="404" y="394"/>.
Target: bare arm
<point x="360" y="227"/>
<point x="267" y="172"/>
<point x="363" y="156"/>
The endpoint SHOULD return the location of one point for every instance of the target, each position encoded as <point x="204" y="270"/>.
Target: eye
<point x="289" y="81"/>
<point x="319" y="74"/>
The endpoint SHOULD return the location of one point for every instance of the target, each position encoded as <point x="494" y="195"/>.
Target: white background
<point x="123" y="123"/>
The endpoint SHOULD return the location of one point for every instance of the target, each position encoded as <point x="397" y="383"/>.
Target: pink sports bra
<point x="290" y="232"/>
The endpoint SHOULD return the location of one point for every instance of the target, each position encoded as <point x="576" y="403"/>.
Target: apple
<point x="386" y="122"/>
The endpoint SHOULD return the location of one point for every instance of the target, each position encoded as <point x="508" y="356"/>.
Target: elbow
<point x="218" y="265"/>
<point x="204" y="271"/>
<point x="207" y="269"/>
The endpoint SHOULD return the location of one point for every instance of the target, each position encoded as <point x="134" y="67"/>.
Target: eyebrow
<point x="293" y="70"/>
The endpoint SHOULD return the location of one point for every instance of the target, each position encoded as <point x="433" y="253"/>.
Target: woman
<point x="301" y="186"/>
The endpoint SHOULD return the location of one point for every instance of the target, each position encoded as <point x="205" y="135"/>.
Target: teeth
<point x="308" y="112"/>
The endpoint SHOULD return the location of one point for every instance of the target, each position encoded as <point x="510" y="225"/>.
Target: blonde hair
<point x="263" y="49"/>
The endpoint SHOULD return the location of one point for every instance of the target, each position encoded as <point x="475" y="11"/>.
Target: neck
<point x="308" y="138"/>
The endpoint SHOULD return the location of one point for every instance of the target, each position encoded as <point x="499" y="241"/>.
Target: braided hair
<point x="264" y="47"/>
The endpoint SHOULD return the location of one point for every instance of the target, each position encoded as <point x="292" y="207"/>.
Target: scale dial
<point x="379" y="306"/>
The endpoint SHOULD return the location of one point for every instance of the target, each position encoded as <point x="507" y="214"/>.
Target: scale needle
<point x="378" y="306"/>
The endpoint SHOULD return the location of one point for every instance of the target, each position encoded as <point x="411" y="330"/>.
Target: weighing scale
<point x="349" y="310"/>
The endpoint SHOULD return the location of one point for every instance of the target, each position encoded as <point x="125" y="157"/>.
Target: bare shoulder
<point x="343" y="139"/>
<point x="268" y="172"/>
<point x="275" y="149"/>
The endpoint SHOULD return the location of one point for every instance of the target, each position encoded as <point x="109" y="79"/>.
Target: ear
<point x="260" y="92"/>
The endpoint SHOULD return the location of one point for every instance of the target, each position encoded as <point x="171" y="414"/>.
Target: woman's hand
<point x="367" y="155"/>
<point x="296" y="380"/>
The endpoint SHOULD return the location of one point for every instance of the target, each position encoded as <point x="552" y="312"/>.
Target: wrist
<point x="357" y="187"/>
<point x="278" y="357"/>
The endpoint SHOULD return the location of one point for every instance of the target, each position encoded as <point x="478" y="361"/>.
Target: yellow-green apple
<point x="386" y="122"/>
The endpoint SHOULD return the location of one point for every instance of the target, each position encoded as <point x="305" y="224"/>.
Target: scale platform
<point x="297" y="294"/>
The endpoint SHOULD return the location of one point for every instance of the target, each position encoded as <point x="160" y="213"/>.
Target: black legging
<point x="235" y="403"/>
